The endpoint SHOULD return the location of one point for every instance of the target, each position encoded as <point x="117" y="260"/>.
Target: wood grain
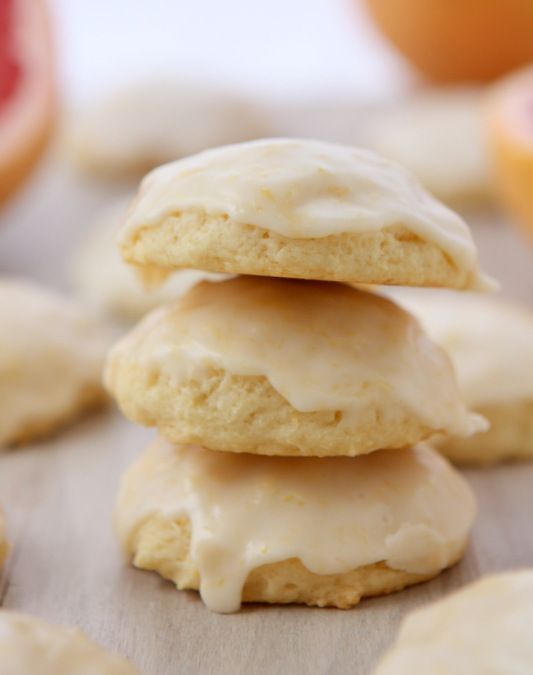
<point x="58" y="498"/>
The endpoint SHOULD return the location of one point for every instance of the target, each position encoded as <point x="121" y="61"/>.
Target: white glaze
<point x="490" y="342"/>
<point x="407" y="507"/>
<point x="483" y="628"/>
<point x="322" y="346"/>
<point x="302" y="189"/>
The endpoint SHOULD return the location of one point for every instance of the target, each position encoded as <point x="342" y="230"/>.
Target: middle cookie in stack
<point x="284" y="367"/>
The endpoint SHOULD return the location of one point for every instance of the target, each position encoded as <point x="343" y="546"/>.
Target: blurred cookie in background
<point x="490" y="343"/>
<point x="439" y="136"/>
<point x="30" y="645"/>
<point x="137" y="127"/>
<point x="51" y="358"/>
<point x="483" y="628"/>
<point x="110" y="286"/>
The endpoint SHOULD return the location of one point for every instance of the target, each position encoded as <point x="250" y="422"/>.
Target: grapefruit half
<point x="26" y="89"/>
<point x="510" y="133"/>
<point x="459" y="40"/>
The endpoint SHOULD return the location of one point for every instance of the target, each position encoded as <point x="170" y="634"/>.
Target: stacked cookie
<point x="290" y="406"/>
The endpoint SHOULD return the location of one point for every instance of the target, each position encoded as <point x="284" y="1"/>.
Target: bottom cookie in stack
<point x="317" y="531"/>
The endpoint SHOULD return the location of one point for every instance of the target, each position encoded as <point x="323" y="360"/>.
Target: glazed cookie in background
<point x="490" y="343"/>
<point x="323" y="532"/>
<point x="30" y="646"/>
<point x="439" y="136"/>
<point x="51" y="358"/>
<point x="286" y="367"/>
<point x="303" y="209"/>
<point x="149" y="123"/>
<point x="4" y="544"/>
<point x="483" y="628"/>
<point x="107" y="284"/>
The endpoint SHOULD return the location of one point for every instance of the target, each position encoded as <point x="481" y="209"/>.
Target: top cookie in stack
<point x="300" y="209"/>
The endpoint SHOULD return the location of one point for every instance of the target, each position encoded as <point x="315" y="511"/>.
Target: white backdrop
<point x="270" y="48"/>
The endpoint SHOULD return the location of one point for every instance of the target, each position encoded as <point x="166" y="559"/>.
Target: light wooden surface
<point x="58" y="498"/>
